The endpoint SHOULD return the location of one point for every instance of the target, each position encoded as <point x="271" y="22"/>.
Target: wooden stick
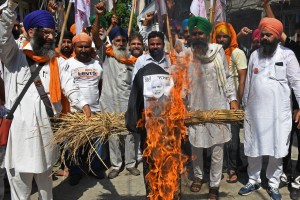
<point x="212" y="16"/>
<point x="114" y="7"/>
<point x="131" y="16"/>
<point x="169" y="33"/>
<point x="64" y="26"/>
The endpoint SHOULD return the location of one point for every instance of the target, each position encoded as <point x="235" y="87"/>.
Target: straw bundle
<point x="74" y="131"/>
<point x="215" y="116"/>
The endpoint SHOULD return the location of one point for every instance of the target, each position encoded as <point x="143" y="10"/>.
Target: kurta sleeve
<point x="69" y="88"/>
<point x="8" y="46"/>
<point x="293" y="73"/>
<point x="229" y="88"/>
<point x="248" y="80"/>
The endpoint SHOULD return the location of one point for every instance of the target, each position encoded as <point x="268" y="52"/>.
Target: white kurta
<point x="205" y="94"/>
<point x="28" y="148"/>
<point x="267" y="101"/>
<point x="116" y="85"/>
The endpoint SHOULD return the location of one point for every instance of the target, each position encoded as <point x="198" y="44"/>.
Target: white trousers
<point x="216" y="164"/>
<point x="115" y="150"/>
<point x="273" y="173"/>
<point x="21" y="184"/>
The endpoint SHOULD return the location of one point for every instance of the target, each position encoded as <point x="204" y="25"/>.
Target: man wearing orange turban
<point x="87" y="74"/>
<point x="273" y="71"/>
<point x="225" y="35"/>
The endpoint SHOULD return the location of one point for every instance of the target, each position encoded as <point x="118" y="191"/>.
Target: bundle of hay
<point x="215" y="116"/>
<point x="74" y="131"/>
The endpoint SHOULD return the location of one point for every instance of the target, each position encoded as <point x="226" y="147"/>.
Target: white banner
<point x="220" y="15"/>
<point x="198" y="8"/>
<point x="82" y="14"/>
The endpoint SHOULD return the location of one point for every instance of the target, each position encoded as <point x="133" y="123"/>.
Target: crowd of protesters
<point x="103" y="69"/>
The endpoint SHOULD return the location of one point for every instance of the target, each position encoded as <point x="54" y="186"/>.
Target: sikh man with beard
<point x="28" y="153"/>
<point x="66" y="51"/>
<point x="211" y="88"/>
<point x="87" y="74"/>
<point x="156" y="53"/>
<point x="117" y="76"/>
<point x="273" y="71"/>
<point x="225" y="35"/>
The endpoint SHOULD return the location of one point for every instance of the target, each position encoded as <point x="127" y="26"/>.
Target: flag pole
<point x="169" y="33"/>
<point x="131" y="16"/>
<point x="62" y="32"/>
<point x="114" y="7"/>
<point x="212" y="15"/>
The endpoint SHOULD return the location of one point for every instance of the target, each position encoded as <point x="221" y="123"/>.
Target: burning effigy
<point x="160" y="116"/>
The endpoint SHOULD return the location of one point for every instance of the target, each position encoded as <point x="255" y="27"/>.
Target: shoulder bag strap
<point x="41" y="90"/>
<point x="20" y="97"/>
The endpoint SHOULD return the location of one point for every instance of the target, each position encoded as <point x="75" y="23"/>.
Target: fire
<point x="165" y="131"/>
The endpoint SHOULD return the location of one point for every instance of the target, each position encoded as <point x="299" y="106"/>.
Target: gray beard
<point x="120" y="53"/>
<point x="199" y="49"/>
<point x="42" y="50"/>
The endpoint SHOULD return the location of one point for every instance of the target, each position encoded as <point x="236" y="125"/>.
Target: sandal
<point x="232" y="177"/>
<point x="213" y="193"/>
<point x="61" y="172"/>
<point x="196" y="185"/>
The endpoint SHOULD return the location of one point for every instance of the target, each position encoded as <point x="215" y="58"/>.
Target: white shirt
<point x="145" y="59"/>
<point x="87" y="77"/>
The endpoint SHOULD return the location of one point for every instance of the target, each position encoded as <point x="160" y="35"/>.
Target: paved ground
<point x="128" y="187"/>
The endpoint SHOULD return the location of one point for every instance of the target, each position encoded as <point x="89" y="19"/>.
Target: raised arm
<point x="8" y="46"/>
<point x="100" y="9"/>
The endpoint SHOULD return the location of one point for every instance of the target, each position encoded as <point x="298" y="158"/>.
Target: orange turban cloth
<point x="73" y="29"/>
<point x="271" y="25"/>
<point x="82" y="37"/>
<point x="227" y="29"/>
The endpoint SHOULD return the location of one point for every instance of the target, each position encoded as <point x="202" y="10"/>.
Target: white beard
<point x="120" y="53"/>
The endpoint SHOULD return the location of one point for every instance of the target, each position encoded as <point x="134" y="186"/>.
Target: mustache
<point x="199" y="43"/>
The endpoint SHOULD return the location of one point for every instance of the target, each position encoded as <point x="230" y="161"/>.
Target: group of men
<point x="108" y="71"/>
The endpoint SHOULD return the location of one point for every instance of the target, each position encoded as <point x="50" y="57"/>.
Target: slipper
<point x="196" y="185"/>
<point x="232" y="177"/>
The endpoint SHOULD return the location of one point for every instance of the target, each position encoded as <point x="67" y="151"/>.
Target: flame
<point x="165" y="131"/>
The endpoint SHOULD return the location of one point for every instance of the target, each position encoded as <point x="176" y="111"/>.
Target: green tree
<point x="123" y="10"/>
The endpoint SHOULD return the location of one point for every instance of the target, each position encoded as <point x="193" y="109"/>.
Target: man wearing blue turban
<point x="28" y="153"/>
<point x="114" y="97"/>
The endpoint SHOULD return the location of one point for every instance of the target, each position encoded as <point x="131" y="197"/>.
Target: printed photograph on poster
<point x="157" y="86"/>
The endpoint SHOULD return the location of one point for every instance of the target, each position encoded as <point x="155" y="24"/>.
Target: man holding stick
<point x="28" y="153"/>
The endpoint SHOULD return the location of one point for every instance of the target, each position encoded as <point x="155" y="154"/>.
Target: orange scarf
<point x="233" y="45"/>
<point x="126" y="61"/>
<point x="54" y="86"/>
